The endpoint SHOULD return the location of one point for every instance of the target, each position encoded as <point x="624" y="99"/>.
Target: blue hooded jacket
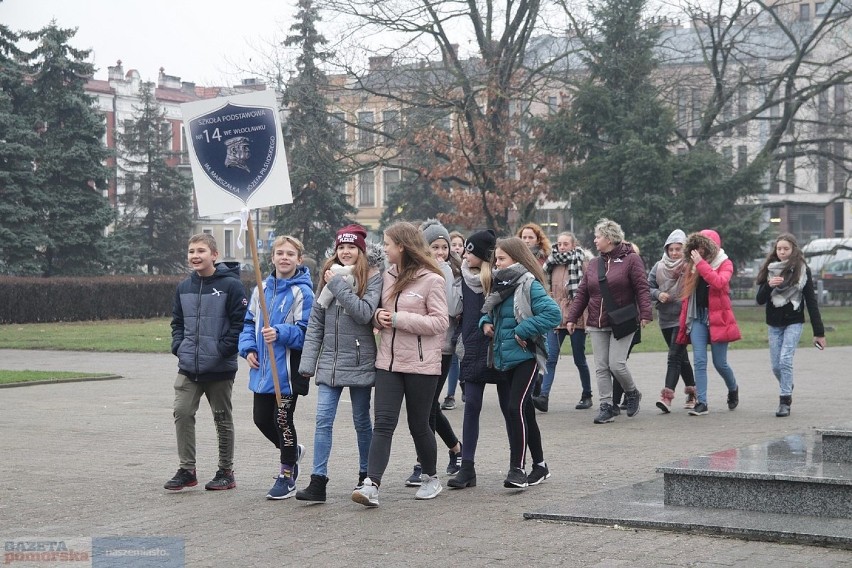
<point x="289" y="302"/>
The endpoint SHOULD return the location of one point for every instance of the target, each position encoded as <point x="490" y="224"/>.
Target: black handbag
<point x="301" y="385"/>
<point x="624" y="320"/>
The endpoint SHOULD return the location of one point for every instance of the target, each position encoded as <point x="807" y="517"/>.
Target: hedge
<point x="34" y="300"/>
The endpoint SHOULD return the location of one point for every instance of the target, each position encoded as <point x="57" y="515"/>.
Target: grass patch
<point x="10" y="377"/>
<point x="131" y="336"/>
<point x="154" y="335"/>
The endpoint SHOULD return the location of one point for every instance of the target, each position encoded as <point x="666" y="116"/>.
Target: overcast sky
<point x="204" y="41"/>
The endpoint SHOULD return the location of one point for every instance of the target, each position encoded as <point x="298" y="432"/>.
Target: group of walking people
<point x="498" y="314"/>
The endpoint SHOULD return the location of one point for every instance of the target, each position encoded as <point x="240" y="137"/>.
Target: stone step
<point x="836" y="444"/>
<point x="785" y="476"/>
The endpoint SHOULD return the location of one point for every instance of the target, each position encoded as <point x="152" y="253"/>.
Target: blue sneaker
<point x="285" y="483"/>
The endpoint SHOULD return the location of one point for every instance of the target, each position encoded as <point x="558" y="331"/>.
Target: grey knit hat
<point x="433" y="230"/>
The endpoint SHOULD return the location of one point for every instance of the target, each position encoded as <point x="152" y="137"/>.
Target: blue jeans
<point x="782" y="346"/>
<point x="453" y="376"/>
<point x="327" y="400"/>
<point x="700" y="337"/>
<point x="578" y="351"/>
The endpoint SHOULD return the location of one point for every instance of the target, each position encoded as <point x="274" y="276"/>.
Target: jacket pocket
<point x="420" y="347"/>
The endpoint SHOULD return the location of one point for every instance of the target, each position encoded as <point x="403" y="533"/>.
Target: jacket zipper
<point x="357" y="352"/>
<point x="420" y="348"/>
<point x="336" y="337"/>
<point x="393" y="334"/>
<point x="198" y="326"/>
<point x="600" y="311"/>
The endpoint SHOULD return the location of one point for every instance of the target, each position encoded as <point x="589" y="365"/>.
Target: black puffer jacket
<point x="473" y="367"/>
<point x="207" y="318"/>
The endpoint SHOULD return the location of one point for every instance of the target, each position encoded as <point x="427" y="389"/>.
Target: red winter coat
<point x="723" y="324"/>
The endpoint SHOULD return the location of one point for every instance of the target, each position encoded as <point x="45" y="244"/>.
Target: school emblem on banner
<point x="235" y="152"/>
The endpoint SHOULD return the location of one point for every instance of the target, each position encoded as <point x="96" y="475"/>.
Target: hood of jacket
<point x="620" y="250"/>
<point x="301" y="276"/>
<point x="223" y="270"/>
<point x="676" y="236"/>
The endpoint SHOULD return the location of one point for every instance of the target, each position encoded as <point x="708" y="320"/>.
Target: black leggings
<point x="523" y="428"/>
<point x="278" y="427"/>
<point x="437" y="421"/>
<point x="677" y="364"/>
<point x="473" y="408"/>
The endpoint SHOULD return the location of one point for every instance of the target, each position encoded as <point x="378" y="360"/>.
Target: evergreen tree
<point x="319" y="206"/>
<point x="617" y="134"/>
<point x="157" y="216"/>
<point x="20" y="197"/>
<point x="70" y="163"/>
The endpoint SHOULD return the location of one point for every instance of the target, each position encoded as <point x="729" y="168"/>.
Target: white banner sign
<point x="236" y="154"/>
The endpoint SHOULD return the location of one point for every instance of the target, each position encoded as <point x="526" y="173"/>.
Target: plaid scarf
<point x="574" y="260"/>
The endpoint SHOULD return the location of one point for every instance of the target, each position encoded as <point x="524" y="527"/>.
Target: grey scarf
<point x="472" y="279"/>
<point x="788" y="291"/>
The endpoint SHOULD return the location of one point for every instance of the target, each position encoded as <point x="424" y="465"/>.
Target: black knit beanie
<point x="481" y="244"/>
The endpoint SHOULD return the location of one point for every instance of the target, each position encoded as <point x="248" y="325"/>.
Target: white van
<point x="820" y="251"/>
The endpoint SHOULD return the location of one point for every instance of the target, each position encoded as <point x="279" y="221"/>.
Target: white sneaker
<point x="430" y="488"/>
<point x="368" y="495"/>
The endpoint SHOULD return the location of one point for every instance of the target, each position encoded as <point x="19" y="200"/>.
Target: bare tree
<point x="480" y="97"/>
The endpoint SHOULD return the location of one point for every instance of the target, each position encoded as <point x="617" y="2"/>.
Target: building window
<point x="166" y="135"/>
<point x="822" y="168"/>
<point x="742" y="157"/>
<point x="805" y="12"/>
<point x="247" y="248"/>
<point x="207" y="231"/>
<point x="367" y="189"/>
<point x="742" y="110"/>
<point x="839" y="170"/>
<point x="790" y="175"/>
<point x="390" y="124"/>
<point x="728" y="156"/>
<point x="806" y="222"/>
<point x="337" y="122"/>
<point x="838" y="219"/>
<point x="697" y="111"/>
<point x="681" y="112"/>
<point x="229" y="237"/>
<point x="391" y="182"/>
<point x="365" y="129"/>
<point x="552" y="105"/>
<point x="774" y="181"/>
<point x="819" y="9"/>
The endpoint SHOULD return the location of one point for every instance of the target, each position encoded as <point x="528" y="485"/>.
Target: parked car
<point x="820" y="252"/>
<point x="837" y="269"/>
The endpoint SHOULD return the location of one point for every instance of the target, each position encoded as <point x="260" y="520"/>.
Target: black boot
<point x="466" y="477"/>
<point x="315" y="491"/>
<point x="541" y="402"/>
<point x="784" y="406"/>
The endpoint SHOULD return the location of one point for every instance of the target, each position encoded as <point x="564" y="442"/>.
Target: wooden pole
<point x="261" y="296"/>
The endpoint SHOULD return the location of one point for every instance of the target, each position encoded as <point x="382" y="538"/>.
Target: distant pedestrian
<point x="565" y="267"/>
<point x="616" y="277"/>
<point x="707" y="315"/>
<point x="289" y="296"/>
<point x="666" y="283"/>
<point x="413" y="321"/>
<point x="785" y="285"/>
<point x="207" y="316"/>
<point x="457" y="249"/>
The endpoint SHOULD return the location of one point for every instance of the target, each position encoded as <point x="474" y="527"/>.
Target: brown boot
<point x="690" y="397"/>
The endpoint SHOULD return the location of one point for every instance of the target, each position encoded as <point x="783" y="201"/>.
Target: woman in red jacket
<point x="706" y="314"/>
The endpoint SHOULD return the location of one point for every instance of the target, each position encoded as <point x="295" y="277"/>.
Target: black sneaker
<point x="699" y="410"/>
<point x="416" y="477"/>
<point x="615" y="410"/>
<point x="733" y="398"/>
<point x="455" y="462"/>
<point x="538" y="474"/>
<point x="183" y="478"/>
<point x="516" y="479"/>
<point x="540" y="402"/>
<point x="585" y="402"/>
<point x="224" y="479"/>
<point x="606" y="414"/>
<point x="362" y="475"/>
<point x="633" y="399"/>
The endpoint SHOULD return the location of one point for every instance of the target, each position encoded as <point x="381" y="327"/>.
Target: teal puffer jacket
<point x="508" y="354"/>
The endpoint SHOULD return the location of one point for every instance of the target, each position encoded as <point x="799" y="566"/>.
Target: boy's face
<point x="286" y="259"/>
<point x="201" y="259"/>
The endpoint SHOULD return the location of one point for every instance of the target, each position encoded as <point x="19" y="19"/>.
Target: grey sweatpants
<point x="610" y="360"/>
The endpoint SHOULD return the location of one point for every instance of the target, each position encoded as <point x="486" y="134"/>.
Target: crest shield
<point x="236" y="147"/>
